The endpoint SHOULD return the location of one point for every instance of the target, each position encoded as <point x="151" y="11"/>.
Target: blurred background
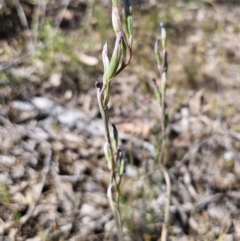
<point x="53" y="176"/>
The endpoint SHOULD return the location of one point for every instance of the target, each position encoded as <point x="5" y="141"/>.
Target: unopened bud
<point x="163" y="36"/>
<point x="128" y="16"/>
<point x="116" y="20"/>
<point x="116" y="56"/>
<point x="105" y="60"/>
<point x="163" y="83"/>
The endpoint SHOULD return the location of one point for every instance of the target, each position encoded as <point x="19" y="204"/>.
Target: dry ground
<point x="53" y="176"/>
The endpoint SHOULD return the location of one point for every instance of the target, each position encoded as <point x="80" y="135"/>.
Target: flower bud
<point x="116" y="20"/>
<point x="163" y="82"/>
<point x="163" y="36"/>
<point x="116" y="56"/>
<point x="105" y="60"/>
<point x="128" y="16"/>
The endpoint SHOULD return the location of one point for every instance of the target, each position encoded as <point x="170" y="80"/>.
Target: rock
<point x="5" y="178"/>
<point x="87" y="209"/>
<point x="43" y="104"/>
<point x="17" y="171"/>
<point x="70" y="117"/>
<point x="131" y="170"/>
<point x="7" y="160"/>
<point x="55" y="79"/>
<point x="91" y="187"/>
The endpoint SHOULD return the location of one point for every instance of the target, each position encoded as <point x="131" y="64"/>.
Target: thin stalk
<point x="112" y="67"/>
<point x="107" y="135"/>
<point x="164" y="233"/>
<point x="113" y="182"/>
<point x="161" y="94"/>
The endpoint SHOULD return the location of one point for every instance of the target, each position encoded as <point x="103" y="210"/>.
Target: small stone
<point x="87" y="209"/>
<point x="91" y="187"/>
<point x="110" y="226"/>
<point x="161" y="199"/>
<point x="17" y="171"/>
<point x="7" y="160"/>
<point x="88" y="60"/>
<point x="5" y="178"/>
<point x="228" y="156"/>
<point x="70" y="117"/>
<point x="131" y="171"/>
<point x="68" y="95"/>
<point x="227" y="237"/>
<point x="21" y="105"/>
<point x="55" y="79"/>
<point x="43" y="104"/>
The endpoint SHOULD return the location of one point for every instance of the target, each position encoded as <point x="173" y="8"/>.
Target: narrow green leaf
<point x="128" y="17"/>
<point x="105" y="57"/>
<point x="115" y="3"/>
<point x="129" y="25"/>
<point x="116" y="56"/>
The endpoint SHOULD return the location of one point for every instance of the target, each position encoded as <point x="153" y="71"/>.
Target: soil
<point x="53" y="173"/>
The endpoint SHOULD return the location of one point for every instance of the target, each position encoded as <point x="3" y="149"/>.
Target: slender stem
<point x="163" y="134"/>
<point x="107" y="134"/>
<point x="167" y="204"/>
<point x="120" y="59"/>
<point x="164" y="122"/>
<point x="113" y="181"/>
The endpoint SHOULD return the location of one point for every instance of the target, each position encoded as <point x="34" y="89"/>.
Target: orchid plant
<point x="122" y="22"/>
<point x="160" y="92"/>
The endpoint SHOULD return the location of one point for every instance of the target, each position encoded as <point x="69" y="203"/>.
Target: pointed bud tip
<point x="98" y="85"/>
